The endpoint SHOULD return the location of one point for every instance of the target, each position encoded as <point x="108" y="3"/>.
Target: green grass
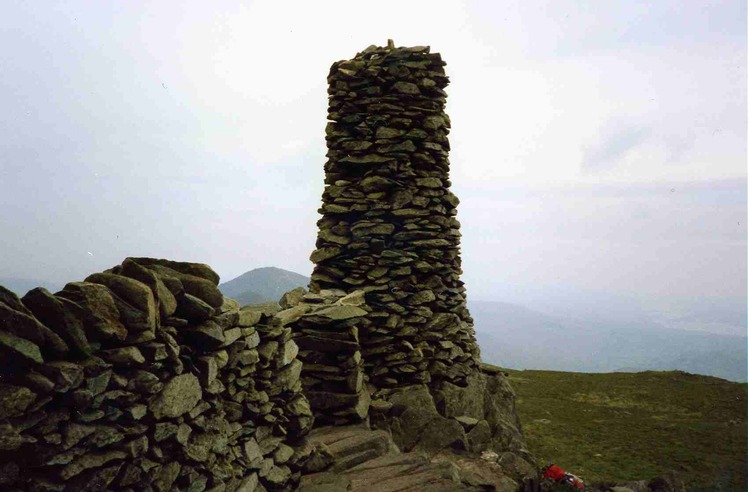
<point x="624" y="426"/>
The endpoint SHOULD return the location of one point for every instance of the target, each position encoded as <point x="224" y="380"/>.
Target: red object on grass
<point x="555" y="473"/>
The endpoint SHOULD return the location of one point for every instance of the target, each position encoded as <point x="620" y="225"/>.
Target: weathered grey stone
<point x="290" y="315"/>
<point x="14" y="400"/>
<point x="208" y="370"/>
<point x="98" y="312"/>
<point x="289" y="351"/>
<point x="324" y="253"/>
<point x="338" y="313"/>
<point x="249" y="317"/>
<point x="167" y="303"/>
<point x="123" y="356"/>
<point x="10" y="298"/>
<point x="179" y="396"/>
<point x="27" y="326"/>
<point x="15" y="349"/>
<point x="208" y="334"/>
<point x="479" y="436"/>
<point x="165" y="477"/>
<point x="287" y="377"/>
<point x="200" y="270"/>
<point x="201" y="288"/>
<point x="88" y="461"/>
<point x="193" y="308"/>
<point x="132" y="291"/>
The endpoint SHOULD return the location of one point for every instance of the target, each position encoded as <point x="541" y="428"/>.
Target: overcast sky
<point x="596" y="146"/>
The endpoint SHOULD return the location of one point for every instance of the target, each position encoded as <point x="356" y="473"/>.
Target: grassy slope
<point x="623" y="426"/>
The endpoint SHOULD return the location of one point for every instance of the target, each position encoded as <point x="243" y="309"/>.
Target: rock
<point x="14" y="400"/>
<point x="10" y="298"/>
<point x="91" y="460"/>
<point x="179" y="396"/>
<point x="320" y="459"/>
<point x="209" y="334"/>
<point x="201" y="288"/>
<point x="18" y="350"/>
<point x="479" y="436"/>
<point x="249" y="317"/>
<point x="422" y="297"/>
<point x="442" y="433"/>
<point x="131" y="291"/>
<point x="27" y="326"/>
<point x="165" y="477"/>
<point x="10" y="438"/>
<point x="278" y="475"/>
<point x="193" y="308"/>
<point x="289" y="375"/>
<point x="324" y="253"/>
<point x="453" y="401"/>
<point x="339" y="313"/>
<point x="355" y="298"/>
<point x="58" y="315"/>
<point x="38" y="383"/>
<point x="467" y="422"/>
<point x="200" y="270"/>
<point x="208" y="370"/>
<point x="123" y="356"/>
<point x="167" y="303"/>
<point x="65" y="375"/>
<point x="250" y="483"/>
<point x="289" y="351"/>
<point x="290" y="315"/>
<point x="282" y="454"/>
<point x="406" y="88"/>
<point x="516" y="466"/>
<point x="292" y="298"/>
<point x="324" y="400"/>
<point x="96" y="480"/>
<point x="97" y="310"/>
<point x="252" y="451"/>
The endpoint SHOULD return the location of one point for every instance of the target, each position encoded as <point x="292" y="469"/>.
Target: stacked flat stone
<point x="389" y="225"/>
<point x="144" y="377"/>
<point x="326" y="327"/>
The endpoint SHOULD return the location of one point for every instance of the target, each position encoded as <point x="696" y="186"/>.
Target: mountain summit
<point x="264" y="284"/>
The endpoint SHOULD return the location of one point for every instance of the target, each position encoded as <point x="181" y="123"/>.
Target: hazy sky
<point x="595" y="145"/>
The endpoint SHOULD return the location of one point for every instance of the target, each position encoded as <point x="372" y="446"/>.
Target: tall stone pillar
<point x="388" y="222"/>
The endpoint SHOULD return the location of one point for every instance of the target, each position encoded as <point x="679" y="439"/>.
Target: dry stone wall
<point x="144" y="377"/>
<point x="326" y="327"/>
<point x="388" y="223"/>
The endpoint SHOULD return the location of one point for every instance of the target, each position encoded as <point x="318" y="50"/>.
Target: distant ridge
<point x="262" y="285"/>
<point x="518" y="337"/>
<point x="22" y="285"/>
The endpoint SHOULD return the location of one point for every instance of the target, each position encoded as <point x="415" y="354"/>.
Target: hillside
<point x="515" y="336"/>
<point x="617" y="426"/>
<point x="260" y="285"/>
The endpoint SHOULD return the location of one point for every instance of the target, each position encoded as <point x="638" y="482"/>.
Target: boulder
<point x="132" y="291"/>
<point x="179" y="396"/>
<point x="96" y="310"/>
<point x="27" y="326"/>
<point x="167" y="303"/>
<point x="14" y="400"/>
<point x="16" y="350"/>
<point x="58" y="314"/>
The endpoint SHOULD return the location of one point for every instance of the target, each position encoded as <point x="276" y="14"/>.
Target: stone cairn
<point x="145" y="378"/>
<point x="388" y="223"/>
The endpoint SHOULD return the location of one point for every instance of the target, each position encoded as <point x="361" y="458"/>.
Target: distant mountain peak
<point x="263" y="284"/>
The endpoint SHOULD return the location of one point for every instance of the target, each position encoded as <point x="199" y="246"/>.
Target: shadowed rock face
<point x="388" y="223"/>
<point x="145" y="378"/>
